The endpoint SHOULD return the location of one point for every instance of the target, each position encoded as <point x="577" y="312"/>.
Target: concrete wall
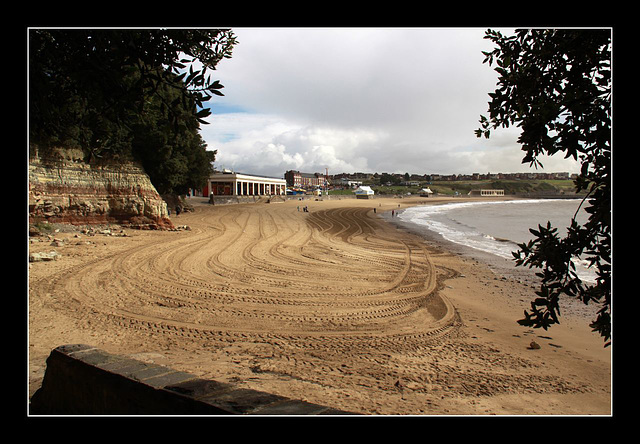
<point x="83" y="380"/>
<point x="225" y="200"/>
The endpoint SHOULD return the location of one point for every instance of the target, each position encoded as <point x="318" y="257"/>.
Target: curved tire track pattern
<point x="258" y="274"/>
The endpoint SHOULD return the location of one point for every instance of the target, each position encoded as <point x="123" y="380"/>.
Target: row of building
<point x="229" y="183"/>
<point x="453" y="177"/>
<point x="504" y="176"/>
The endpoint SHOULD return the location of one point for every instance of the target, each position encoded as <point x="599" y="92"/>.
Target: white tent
<point x="363" y="192"/>
<point x="425" y="192"/>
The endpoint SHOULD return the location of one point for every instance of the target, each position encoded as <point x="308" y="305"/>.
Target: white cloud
<point x="271" y="145"/>
<point x="359" y="99"/>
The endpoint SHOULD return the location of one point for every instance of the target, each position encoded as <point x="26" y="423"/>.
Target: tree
<point x="175" y="159"/>
<point x="102" y="89"/>
<point x="556" y="86"/>
<point x="389" y="178"/>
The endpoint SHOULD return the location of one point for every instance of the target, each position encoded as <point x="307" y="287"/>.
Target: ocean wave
<point x="435" y="218"/>
<point x="464" y="236"/>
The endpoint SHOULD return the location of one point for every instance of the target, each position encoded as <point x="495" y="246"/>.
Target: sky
<point x="347" y="100"/>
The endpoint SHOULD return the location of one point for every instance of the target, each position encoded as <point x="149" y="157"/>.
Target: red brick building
<point x="297" y="179"/>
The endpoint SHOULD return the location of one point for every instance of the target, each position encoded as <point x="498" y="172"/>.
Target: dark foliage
<point x="127" y="94"/>
<point x="556" y="86"/>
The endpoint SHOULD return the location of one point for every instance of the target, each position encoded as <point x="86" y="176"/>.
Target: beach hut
<point x="363" y="192"/>
<point x="425" y="192"/>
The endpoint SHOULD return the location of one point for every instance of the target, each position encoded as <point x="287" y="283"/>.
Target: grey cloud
<point x="385" y="99"/>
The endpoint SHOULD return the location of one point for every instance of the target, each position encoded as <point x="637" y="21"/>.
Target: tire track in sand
<point x="333" y="298"/>
<point x="249" y="269"/>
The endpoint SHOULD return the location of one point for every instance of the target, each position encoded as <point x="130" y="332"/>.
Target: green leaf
<point x="204" y="112"/>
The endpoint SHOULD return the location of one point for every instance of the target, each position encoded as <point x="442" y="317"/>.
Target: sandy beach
<point x="339" y="306"/>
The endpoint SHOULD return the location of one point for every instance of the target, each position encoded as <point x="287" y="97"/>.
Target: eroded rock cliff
<point x="67" y="189"/>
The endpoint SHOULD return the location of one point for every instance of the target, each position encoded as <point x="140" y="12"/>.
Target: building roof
<point x="234" y="173"/>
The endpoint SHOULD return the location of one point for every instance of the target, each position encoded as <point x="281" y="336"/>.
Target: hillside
<point x="510" y="187"/>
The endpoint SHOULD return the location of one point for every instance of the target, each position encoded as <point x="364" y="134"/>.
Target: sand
<point x="338" y="306"/>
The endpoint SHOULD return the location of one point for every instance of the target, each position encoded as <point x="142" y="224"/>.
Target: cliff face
<point x="68" y="190"/>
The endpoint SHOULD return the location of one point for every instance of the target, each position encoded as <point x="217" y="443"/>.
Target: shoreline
<point x="502" y="267"/>
<point x="337" y="306"/>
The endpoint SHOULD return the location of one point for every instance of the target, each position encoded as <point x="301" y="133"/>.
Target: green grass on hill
<point x="450" y="188"/>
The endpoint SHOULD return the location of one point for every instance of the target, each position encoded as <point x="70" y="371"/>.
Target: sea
<point x="497" y="227"/>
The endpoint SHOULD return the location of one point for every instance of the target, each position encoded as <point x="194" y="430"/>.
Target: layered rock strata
<point x="69" y="190"/>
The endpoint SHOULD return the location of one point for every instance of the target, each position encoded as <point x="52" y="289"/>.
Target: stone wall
<point x="84" y="380"/>
<point x="69" y="190"/>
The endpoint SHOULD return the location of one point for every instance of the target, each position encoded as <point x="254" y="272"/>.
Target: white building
<point x="486" y="193"/>
<point x="350" y="182"/>
<point x="229" y="183"/>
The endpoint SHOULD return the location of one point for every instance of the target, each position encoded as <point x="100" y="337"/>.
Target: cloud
<point x="358" y="76"/>
<point x="271" y="145"/>
<point x="358" y="99"/>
